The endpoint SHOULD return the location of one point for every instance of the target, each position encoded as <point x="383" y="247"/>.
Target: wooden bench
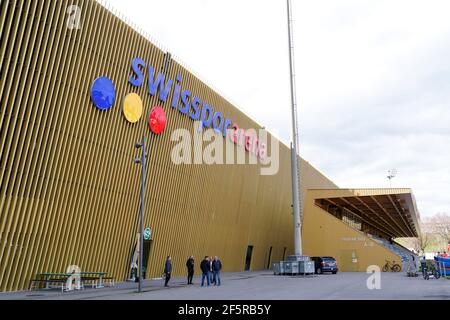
<point x="48" y="283"/>
<point x="112" y="282"/>
<point x="89" y="281"/>
<point x="97" y="278"/>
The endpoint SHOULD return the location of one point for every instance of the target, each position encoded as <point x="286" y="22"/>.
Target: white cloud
<point x="373" y="79"/>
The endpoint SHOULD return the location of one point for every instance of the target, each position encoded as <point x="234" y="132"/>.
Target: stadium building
<point x="79" y="87"/>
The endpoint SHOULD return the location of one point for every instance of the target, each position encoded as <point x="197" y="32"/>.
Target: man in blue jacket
<point x="168" y="270"/>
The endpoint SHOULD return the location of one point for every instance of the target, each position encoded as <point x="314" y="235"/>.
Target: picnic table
<point x="94" y="278"/>
<point x="51" y="278"/>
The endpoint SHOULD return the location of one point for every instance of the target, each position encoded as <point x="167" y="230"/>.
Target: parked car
<point x="325" y="264"/>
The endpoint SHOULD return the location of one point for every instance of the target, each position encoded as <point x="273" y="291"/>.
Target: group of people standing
<point x="210" y="267"/>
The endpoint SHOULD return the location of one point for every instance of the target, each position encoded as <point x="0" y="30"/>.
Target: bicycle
<point x="433" y="272"/>
<point x="391" y="266"/>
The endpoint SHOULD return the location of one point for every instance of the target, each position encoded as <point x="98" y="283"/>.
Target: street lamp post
<point x="142" y="161"/>
<point x="391" y="174"/>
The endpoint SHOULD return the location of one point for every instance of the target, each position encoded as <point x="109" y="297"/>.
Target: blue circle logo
<point x="103" y="93"/>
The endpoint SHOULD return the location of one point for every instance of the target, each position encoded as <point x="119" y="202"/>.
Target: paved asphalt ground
<point x="261" y="285"/>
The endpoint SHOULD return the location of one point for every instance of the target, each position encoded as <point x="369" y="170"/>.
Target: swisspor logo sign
<point x="103" y="95"/>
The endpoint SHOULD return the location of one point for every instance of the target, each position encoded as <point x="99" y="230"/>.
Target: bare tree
<point x="440" y="225"/>
<point x="421" y="242"/>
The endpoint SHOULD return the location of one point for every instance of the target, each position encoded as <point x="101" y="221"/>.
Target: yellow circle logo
<point x="132" y="107"/>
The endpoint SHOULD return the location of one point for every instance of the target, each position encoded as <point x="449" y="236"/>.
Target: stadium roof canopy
<point x="391" y="211"/>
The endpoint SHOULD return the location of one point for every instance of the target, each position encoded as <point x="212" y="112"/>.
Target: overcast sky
<point x="373" y="79"/>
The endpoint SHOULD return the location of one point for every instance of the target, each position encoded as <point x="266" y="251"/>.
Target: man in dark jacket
<point x="190" y="269"/>
<point x="217" y="266"/>
<point x="168" y="270"/>
<point x="204" y="266"/>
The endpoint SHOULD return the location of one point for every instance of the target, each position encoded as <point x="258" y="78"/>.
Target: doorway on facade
<point x="248" y="258"/>
<point x="269" y="260"/>
<point x="284" y="254"/>
<point x="147" y="245"/>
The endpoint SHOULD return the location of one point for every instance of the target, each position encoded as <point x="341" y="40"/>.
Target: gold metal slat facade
<point x="69" y="190"/>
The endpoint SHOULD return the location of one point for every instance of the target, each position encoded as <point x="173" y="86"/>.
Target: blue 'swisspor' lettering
<point x="187" y="103"/>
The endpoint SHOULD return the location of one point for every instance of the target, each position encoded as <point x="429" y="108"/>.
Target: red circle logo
<point x="157" y="120"/>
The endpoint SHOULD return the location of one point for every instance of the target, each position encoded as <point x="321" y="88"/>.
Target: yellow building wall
<point x="325" y="235"/>
<point x="69" y="189"/>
